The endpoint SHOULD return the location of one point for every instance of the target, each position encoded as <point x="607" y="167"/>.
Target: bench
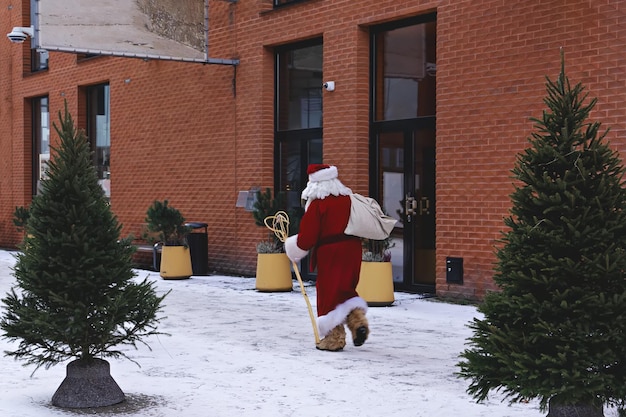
<point x="155" y="250"/>
<point x="143" y="245"/>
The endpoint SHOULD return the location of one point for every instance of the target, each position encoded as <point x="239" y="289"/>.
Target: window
<point x="295" y="156"/>
<point x="98" y="132"/>
<point x="41" y="140"/>
<point x="278" y="3"/>
<point x="38" y="57"/>
<point x="300" y="88"/>
<point x="405" y="72"/>
<point x="86" y="57"/>
<point x="298" y="116"/>
<point x="298" y="120"/>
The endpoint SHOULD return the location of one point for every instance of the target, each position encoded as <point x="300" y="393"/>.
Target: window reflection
<point x="41" y="140"/>
<point x="300" y="88"/>
<point x="406" y="68"/>
<point x="98" y="132"/>
<point x="39" y="59"/>
<point x="295" y="156"/>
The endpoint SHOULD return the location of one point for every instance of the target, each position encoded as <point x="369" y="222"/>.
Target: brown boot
<point x="334" y="341"/>
<point x="357" y="323"/>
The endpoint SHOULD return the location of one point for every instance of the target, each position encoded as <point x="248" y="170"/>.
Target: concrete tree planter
<point x="88" y="383"/>
<point x="560" y="410"/>
<point x="557" y="409"/>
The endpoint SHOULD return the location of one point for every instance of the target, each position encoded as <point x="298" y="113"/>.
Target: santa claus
<point x="336" y="255"/>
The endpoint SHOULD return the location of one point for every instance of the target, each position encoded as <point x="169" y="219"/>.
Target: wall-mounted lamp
<point x="329" y="85"/>
<point x="19" y="34"/>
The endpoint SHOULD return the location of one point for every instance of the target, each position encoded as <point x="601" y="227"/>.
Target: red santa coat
<point x="337" y="257"/>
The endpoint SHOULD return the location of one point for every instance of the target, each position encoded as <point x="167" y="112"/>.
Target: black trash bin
<point x="198" y="241"/>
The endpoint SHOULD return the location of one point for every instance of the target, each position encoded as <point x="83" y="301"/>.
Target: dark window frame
<point x="376" y="125"/>
<point x="283" y="3"/>
<point x="301" y="139"/>
<point x="295" y="135"/>
<point x="80" y="58"/>
<point x="374" y="33"/>
<point x="408" y="128"/>
<point x="39" y="58"/>
<point x="92" y="97"/>
<point x="37" y="126"/>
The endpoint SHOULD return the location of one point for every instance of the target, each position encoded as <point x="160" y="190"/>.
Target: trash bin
<point x="198" y="241"/>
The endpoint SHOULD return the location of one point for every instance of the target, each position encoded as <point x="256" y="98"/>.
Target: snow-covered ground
<point x="233" y="351"/>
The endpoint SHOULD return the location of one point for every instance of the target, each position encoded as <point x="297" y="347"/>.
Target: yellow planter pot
<point x="175" y="262"/>
<point x="273" y="272"/>
<point x="376" y="284"/>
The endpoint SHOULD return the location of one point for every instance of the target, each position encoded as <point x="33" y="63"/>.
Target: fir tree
<point x="75" y="295"/>
<point x="557" y="329"/>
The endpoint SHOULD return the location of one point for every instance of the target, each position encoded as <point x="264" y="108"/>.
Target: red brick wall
<point x="492" y="61"/>
<point x="197" y="134"/>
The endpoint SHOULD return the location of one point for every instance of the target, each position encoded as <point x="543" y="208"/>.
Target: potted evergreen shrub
<point x="169" y="225"/>
<point x="376" y="278"/>
<point x="75" y="295"/>
<point x="273" y="272"/>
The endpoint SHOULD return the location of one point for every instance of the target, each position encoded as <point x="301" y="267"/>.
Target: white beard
<point x="322" y="189"/>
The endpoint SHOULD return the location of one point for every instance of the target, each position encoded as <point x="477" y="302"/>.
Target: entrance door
<point x="402" y="152"/>
<point x="406" y="182"/>
<point x="298" y="135"/>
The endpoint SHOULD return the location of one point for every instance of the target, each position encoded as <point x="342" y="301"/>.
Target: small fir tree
<point x="75" y="295"/>
<point x="557" y="329"/>
<point x="168" y="222"/>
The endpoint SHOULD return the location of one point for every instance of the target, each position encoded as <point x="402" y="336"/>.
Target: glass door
<point x="402" y="145"/>
<point x="406" y="184"/>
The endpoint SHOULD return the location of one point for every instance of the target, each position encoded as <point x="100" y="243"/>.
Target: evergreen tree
<point x="75" y="296"/>
<point x="557" y="329"/>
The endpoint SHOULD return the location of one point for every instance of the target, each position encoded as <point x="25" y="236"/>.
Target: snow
<point x="234" y="351"/>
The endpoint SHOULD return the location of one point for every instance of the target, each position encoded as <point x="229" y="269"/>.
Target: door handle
<point x="410" y="207"/>
<point x="424" y="206"/>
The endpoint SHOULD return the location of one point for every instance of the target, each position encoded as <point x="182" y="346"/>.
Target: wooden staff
<point x="280" y="226"/>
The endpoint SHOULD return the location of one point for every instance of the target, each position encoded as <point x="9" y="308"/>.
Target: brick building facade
<point x="198" y="134"/>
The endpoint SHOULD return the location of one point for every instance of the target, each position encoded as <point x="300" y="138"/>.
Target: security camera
<point x="20" y="34"/>
<point x="329" y="85"/>
<point x="17" y="37"/>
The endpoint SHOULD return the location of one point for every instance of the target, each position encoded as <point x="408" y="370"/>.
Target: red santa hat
<point x="321" y="172"/>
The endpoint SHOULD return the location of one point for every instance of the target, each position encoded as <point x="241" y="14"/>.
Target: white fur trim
<point x="339" y="315"/>
<point x="321" y="190"/>
<point x="324" y="174"/>
<point x="293" y="250"/>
